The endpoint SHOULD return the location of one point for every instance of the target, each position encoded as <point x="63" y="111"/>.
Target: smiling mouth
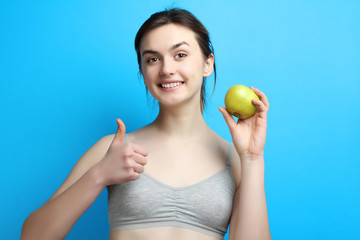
<point x="171" y="85"/>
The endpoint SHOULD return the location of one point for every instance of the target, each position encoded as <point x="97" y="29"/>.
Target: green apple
<point x="238" y="101"/>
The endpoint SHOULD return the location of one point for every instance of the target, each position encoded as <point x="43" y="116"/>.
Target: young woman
<point x="174" y="178"/>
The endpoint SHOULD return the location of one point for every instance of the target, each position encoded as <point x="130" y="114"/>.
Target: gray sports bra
<point x="146" y="202"/>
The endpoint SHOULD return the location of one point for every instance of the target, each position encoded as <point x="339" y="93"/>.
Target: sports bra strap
<point x="229" y="156"/>
<point x="125" y="138"/>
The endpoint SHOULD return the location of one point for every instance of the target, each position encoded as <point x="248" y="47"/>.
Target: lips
<point x="170" y="84"/>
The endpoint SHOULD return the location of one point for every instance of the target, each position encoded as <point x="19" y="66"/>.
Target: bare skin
<point x="178" y="165"/>
<point x="167" y="163"/>
<point x="159" y="233"/>
<point x="178" y="149"/>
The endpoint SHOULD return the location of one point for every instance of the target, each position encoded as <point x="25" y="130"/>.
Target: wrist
<point x="251" y="157"/>
<point x="252" y="162"/>
<point x="96" y="176"/>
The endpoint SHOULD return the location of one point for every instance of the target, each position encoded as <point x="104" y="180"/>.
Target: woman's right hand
<point x="123" y="162"/>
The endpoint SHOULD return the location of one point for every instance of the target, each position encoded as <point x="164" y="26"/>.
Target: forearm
<point x="55" y="218"/>
<point x="252" y="217"/>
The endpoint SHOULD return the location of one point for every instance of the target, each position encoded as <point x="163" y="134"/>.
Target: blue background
<point x="68" y="69"/>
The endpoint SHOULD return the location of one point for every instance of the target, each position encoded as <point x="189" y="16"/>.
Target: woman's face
<point x="173" y="65"/>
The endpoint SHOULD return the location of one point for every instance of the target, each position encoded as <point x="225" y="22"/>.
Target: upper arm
<point x="91" y="157"/>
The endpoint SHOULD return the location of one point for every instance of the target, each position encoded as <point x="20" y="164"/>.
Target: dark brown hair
<point x="187" y="19"/>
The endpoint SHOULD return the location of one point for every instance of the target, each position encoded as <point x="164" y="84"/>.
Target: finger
<point x="138" y="168"/>
<point x="120" y="134"/>
<point x="262" y="96"/>
<point x="140" y="159"/>
<point x="262" y="109"/>
<point x="260" y="105"/>
<point x="140" y="150"/>
<point x="134" y="176"/>
<point x="228" y="118"/>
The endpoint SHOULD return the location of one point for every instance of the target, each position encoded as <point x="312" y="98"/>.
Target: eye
<point x="152" y="60"/>
<point x="180" y="55"/>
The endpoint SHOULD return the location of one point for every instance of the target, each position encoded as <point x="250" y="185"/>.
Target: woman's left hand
<point x="249" y="135"/>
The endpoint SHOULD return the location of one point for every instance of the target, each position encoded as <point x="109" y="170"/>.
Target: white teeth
<point x="170" y="85"/>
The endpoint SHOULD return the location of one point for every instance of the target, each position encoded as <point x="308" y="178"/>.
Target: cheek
<point x="148" y="76"/>
<point x="194" y="71"/>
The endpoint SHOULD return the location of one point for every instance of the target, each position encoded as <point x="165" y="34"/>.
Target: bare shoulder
<point x="141" y="135"/>
<point x="95" y="153"/>
<point x="220" y="143"/>
<point x="90" y="158"/>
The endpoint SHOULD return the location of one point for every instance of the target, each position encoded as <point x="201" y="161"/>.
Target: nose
<point x="167" y="67"/>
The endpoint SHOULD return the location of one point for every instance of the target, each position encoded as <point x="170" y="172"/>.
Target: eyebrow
<point x="179" y="44"/>
<point x="173" y="47"/>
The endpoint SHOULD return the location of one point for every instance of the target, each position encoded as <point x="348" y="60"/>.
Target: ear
<point x="209" y="66"/>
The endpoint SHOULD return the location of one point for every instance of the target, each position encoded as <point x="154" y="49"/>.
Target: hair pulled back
<point x="186" y="19"/>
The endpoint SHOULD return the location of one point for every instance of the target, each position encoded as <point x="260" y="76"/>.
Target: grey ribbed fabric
<point x="204" y="206"/>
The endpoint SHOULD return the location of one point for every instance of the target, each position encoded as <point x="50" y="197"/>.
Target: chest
<point x="181" y="165"/>
<point x="206" y="204"/>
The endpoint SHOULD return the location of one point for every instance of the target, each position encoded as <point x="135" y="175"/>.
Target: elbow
<point x="33" y="228"/>
<point x="27" y="230"/>
<point x="30" y="229"/>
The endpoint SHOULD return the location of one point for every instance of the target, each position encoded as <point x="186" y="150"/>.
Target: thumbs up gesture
<point x="123" y="162"/>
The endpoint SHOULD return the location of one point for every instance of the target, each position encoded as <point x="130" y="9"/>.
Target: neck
<point x="180" y="122"/>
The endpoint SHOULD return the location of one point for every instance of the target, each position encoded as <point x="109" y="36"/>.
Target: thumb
<point x="228" y="118"/>
<point x="120" y="133"/>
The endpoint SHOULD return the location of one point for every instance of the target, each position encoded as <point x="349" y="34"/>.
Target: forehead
<point x="166" y="36"/>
